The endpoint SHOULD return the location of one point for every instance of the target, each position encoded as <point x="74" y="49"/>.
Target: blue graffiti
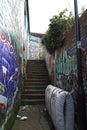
<point x="8" y="72"/>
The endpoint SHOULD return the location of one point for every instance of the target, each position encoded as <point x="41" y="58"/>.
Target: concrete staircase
<point x="36" y="83"/>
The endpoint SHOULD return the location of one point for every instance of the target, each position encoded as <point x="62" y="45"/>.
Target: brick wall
<point x="66" y="62"/>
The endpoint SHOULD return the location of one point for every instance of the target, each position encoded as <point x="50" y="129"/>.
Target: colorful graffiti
<point x="66" y="69"/>
<point x="33" y="51"/>
<point x="9" y="72"/>
<point x="35" y="48"/>
<point x="41" y="53"/>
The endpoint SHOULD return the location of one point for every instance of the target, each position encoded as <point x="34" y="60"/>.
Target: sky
<point x="41" y="11"/>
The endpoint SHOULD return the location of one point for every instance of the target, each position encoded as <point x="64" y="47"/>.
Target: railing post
<point x="81" y="111"/>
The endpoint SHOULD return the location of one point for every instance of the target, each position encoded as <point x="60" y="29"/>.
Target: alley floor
<point x="35" y="118"/>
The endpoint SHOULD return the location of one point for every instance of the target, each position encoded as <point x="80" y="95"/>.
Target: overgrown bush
<point x="54" y="37"/>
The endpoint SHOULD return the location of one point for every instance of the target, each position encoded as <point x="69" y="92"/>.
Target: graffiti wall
<point x="66" y="70"/>
<point x="13" y="53"/>
<point x="9" y="75"/>
<point x="35" y="48"/>
<point x="62" y="68"/>
<point x="66" y="67"/>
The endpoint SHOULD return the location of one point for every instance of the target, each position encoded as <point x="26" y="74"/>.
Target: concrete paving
<point x="37" y="118"/>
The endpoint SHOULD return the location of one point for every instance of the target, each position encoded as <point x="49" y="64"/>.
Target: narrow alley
<point x="33" y="108"/>
<point x="37" y="118"/>
<point x="43" y="75"/>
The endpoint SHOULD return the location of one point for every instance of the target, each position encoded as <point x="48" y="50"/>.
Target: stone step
<point x="37" y="83"/>
<point x="33" y="96"/>
<point x="37" y="75"/>
<point x="35" y="62"/>
<point x="33" y="91"/>
<point x="32" y="101"/>
<point x="38" y="87"/>
<point x="37" y="72"/>
<point x="36" y="67"/>
<point x="36" y="80"/>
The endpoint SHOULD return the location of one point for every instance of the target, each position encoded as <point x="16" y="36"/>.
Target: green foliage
<point x="54" y="37"/>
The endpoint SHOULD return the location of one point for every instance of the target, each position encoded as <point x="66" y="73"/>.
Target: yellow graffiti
<point x="2" y="88"/>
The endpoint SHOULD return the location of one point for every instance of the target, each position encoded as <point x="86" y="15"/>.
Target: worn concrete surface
<point x="38" y="118"/>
